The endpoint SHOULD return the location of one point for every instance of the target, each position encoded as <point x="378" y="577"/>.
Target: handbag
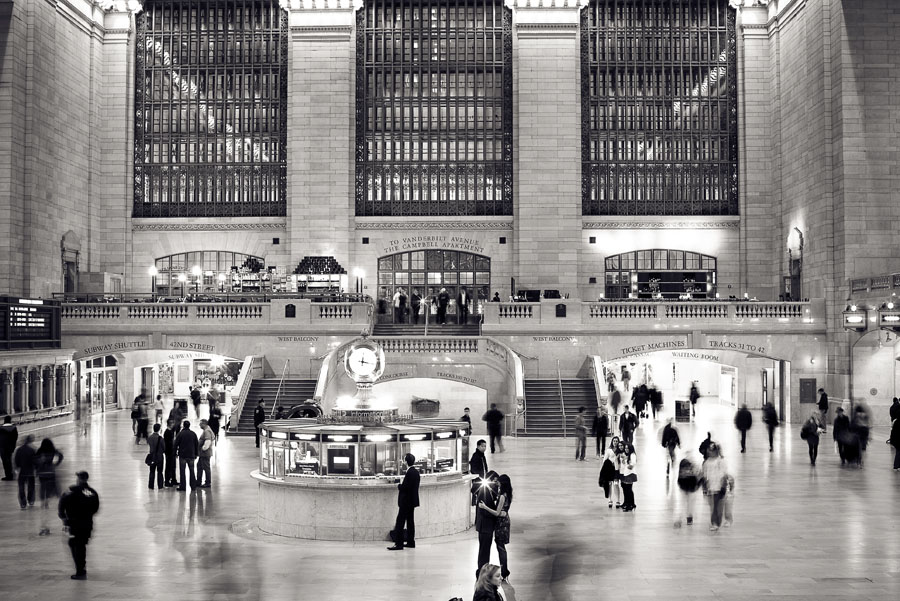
<point x="629" y="478"/>
<point x="501" y="532"/>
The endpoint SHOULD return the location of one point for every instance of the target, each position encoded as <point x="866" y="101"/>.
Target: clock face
<point x="363" y="361"/>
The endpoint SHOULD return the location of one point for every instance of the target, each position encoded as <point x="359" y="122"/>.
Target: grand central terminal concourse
<point x="450" y="300"/>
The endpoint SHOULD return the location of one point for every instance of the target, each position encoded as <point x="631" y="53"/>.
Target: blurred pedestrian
<point x="46" y="459"/>
<point x="627" y="462"/>
<point x="580" y="435"/>
<point x="770" y="417"/>
<point x="615" y="400"/>
<point x="169" y="449"/>
<point x="494" y="419"/>
<point x="158" y="409"/>
<point x="715" y="484"/>
<point x="859" y="425"/>
<point x="176" y="415"/>
<point x="840" y="431"/>
<point x="627" y="424"/>
<point x="810" y="432"/>
<point x="894" y="441"/>
<point x="609" y="474"/>
<point x="656" y="401"/>
<point x="156" y="457"/>
<point x="214" y="421"/>
<point x="639" y="399"/>
<point x="689" y="480"/>
<point x="207" y="438"/>
<point x="24" y="461"/>
<point x="694" y="396"/>
<point x="895" y="409"/>
<point x="77" y="508"/>
<point x="743" y="420"/>
<point x="487" y="585"/>
<point x="9" y="435"/>
<point x="670" y="441"/>
<point x="143" y="417"/>
<point x="823" y="406"/>
<point x="728" y="503"/>
<point x="195" y="399"/>
<point x="704" y="446"/>
<point x="600" y="429"/>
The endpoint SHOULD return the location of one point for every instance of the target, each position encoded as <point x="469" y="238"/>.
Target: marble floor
<point x="800" y="532"/>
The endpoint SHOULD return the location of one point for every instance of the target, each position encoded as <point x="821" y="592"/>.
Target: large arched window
<point x="660" y="273"/>
<point x="210" y="271"/>
<point x="423" y="273"/>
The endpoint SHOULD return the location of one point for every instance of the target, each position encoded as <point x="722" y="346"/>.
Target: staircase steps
<point x="293" y="392"/>
<point x="399" y="329"/>
<point x="543" y="415"/>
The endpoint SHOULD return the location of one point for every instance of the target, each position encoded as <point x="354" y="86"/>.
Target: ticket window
<point x="278" y="452"/>
<point x="445" y="459"/>
<point x="304" y="458"/>
<point x="341" y="459"/>
<point x="421" y="450"/>
<point x="378" y="459"/>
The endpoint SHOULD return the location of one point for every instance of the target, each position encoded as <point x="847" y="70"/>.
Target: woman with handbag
<point x="715" y="484"/>
<point x="609" y="474"/>
<point x="810" y="433"/>
<point x="627" y="461"/>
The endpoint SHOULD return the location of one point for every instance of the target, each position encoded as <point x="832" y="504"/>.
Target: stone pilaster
<point x="8" y="392"/>
<point x="321" y="138"/>
<point x="547" y="150"/>
<point x="52" y="399"/>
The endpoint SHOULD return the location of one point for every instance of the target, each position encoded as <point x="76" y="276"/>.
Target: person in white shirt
<point x="206" y="452"/>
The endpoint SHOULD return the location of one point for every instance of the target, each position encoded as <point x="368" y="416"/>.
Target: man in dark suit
<point x="823" y="405"/>
<point x="407" y="501"/>
<point x="462" y="305"/>
<point x="259" y="416"/>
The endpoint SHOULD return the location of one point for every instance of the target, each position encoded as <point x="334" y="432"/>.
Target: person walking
<point x="823" y="407"/>
<point x="143" y="421"/>
<point x="501" y="531"/>
<point x="443" y="299"/>
<point x="627" y="424"/>
<point x="694" y="396"/>
<point x="407" y="501"/>
<point x="715" y="484"/>
<point x="743" y="419"/>
<point x="77" y="508"/>
<point x="670" y="441"/>
<point x="462" y="306"/>
<point x="24" y="462"/>
<point x="600" y="429"/>
<point x="169" y="449"/>
<point x="156" y="458"/>
<point x="894" y="441"/>
<point x="207" y="440"/>
<point x="689" y="479"/>
<point x="486" y="521"/>
<point x="627" y="461"/>
<point x="894" y="411"/>
<point x="770" y="418"/>
<point x="840" y="431"/>
<point x="259" y="416"/>
<point x="639" y="398"/>
<point x="176" y="415"/>
<point x="626" y="379"/>
<point x="810" y="432"/>
<point x="615" y="400"/>
<point x="186" y="447"/>
<point x="494" y="419"/>
<point x="9" y="435"/>
<point x="859" y="425"/>
<point x="704" y="446"/>
<point x="158" y="409"/>
<point x="656" y="401"/>
<point x="609" y="474"/>
<point x="46" y="458"/>
<point x="214" y="421"/>
<point x="487" y="584"/>
<point x="580" y="435"/>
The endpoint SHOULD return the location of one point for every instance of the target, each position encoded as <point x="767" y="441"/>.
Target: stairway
<point x="402" y="329"/>
<point x="293" y="392"/>
<point x="543" y="416"/>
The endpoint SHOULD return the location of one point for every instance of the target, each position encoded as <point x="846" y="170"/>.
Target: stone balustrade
<point x="428" y="345"/>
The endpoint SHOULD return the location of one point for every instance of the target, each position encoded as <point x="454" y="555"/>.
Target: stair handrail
<point x="562" y="402"/>
<point x="280" y="383"/>
<point x="252" y="365"/>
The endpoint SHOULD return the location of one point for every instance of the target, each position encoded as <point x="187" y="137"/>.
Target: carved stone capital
<point x="121" y="6"/>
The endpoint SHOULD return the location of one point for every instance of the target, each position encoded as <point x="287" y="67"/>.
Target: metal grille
<point x="434" y="108"/>
<point x="659" y="112"/>
<point x="210" y="109"/>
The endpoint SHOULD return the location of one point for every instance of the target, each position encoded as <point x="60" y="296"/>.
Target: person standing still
<point x="9" y="435"/>
<point x="259" y="416"/>
<point x="694" y="395"/>
<point x="77" y="508"/>
<point x="600" y="429"/>
<point x="467" y="417"/>
<point x="486" y="521"/>
<point x="415" y="305"/>
<point x="840" y="431"/>
<point x="169" y="448"/>
<point x="462" y="306"/>
<point x="895" y="409"/>
<point x="894" y="441"/>
<point x="195" y="399"/>
<point x="494" y="419"/>
<point x="742" y="421"/>
<point x="24" y="461"/>
<point x="580" y="435"/>
<point x="443" y="300"/>
<point x="407" y="501"/>
<point x="143" y="426"/>
<point x="158" y="409"/>
<point x="823" y="407"/>
<point x="186" y="447"/>
<point x="205" y="455"/>
<point x="156" y="455"/>
<point x="770" y="417"/>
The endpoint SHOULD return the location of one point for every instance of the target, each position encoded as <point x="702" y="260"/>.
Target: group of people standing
<point x="408" y="307"/>
<point x="180" y="441"/>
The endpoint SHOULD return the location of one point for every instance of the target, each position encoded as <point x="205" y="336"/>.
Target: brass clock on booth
<point x="364" y="361"/>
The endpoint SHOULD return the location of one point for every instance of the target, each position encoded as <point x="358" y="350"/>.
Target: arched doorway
<point x="210" y="271"/>
<point x="423" y="273"/>
<point x="663" y="273"/>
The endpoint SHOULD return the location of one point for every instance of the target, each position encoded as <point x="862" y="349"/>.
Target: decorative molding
<point x="134" y="6"/>
<point x="435" y="225"/>
<point x="207" y="227"/>
<point x="660" y="225"/>
<point x="296" y="5"/>
<point x="546" y="4"/>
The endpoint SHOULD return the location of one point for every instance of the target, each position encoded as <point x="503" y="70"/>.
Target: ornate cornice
<point x="207" y="227"/>
<point x="660" y="225"/>
<point x="435" y="225"/>
<point x="546" y="4"/>
<point x="290" y="5"/>
<point x="122" y="6"/>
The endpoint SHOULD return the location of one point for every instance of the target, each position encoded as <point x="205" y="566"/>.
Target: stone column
<point x="26" y="389"/>
<point x="8" y="391"/>
<point x="321" y="135"/>
<point x="52" y="400"/>
<point x="39" y="388"/>
<point x="547" y="66"/>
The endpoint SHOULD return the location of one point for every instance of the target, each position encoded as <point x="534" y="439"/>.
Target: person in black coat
<point x="467" y="417"/>
<point x="600" y="429"/>
<point x="894" y="441"/>
<point x="742" y="421"/>
<point x="486" y="521"/>
<point x="407" y="501"/>
<point x="895" y="409"/>
<point x="8" y="437"/>
<point x="770" y="417"/>
<point x="24" y="461"/>
<point x="823" y="405"/>
<point x="494" y="419"/>
<point x="628" y="423"/>
<point x="169" y="447"/>
<point x="259" y="416"/>
<point x="670" y="440"/>
<point x="462" y="305"/>
<point x="840" y="431"/>
<point x="443" y="299"/>
<point x="76" y="510"/>
<point x="187" y="446"/>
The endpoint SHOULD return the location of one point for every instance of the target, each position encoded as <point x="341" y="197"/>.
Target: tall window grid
<point x="210" y="109"/>
<point x="434" y="108"/>
<point x="659" y="113"/>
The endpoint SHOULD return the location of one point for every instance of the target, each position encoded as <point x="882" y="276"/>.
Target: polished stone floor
<point x="800" y="532"/>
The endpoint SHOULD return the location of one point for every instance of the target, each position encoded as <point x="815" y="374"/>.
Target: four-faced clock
<point x="362" y="361"/>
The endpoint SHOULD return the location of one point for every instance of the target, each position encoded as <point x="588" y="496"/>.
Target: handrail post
<point x="562" y="402"/>
<point x="280" y="383"/>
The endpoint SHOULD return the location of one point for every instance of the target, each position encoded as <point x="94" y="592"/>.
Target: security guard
<point x="76" y="509"/>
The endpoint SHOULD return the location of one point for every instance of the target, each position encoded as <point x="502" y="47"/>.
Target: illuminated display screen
<point x="28" y="323"/>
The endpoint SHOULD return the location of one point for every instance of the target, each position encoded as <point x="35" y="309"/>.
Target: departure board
<point x="29" y="323"/>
